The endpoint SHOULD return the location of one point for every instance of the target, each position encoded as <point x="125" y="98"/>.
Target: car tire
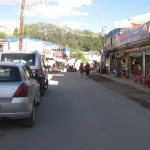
<point x="42" y="92"/>
<point x="29" y="122"/>
<point x="37" y="103"/>
<point x="46" y="85"/>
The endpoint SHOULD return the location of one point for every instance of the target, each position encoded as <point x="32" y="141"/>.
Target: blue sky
<point x="73" y="14"/>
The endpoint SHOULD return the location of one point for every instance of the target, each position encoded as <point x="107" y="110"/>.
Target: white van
<point x="34" y="60"/>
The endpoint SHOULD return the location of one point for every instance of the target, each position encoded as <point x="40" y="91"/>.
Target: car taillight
<point x="22" y="90"/>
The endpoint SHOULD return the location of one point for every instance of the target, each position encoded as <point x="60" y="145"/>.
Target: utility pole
<point x="102" y="40"/>
<point x="21" y="32"/>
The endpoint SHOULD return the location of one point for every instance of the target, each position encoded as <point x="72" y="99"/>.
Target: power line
<point x="146" y="4"/>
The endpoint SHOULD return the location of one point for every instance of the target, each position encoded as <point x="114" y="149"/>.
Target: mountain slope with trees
<point x="76" y="40"/>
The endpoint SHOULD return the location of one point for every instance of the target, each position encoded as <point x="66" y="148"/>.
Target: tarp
<point x="30" y="39"/>
<point x="60" y="60"/>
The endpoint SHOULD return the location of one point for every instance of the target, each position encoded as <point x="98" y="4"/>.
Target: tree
<point x="16" y="32"/>
<point x="75" y="39"/>
<point x="3" y="35"/>
<point x="26" y="31"/>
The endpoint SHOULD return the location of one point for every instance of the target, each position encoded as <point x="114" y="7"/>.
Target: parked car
<point x="34" y="60"/>
<point x="19" y="92"/>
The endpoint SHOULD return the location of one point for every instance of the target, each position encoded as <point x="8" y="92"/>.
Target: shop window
<point x="136" y="63"/>
<point x="147" y="64"/>
<point x="1" y="48"/>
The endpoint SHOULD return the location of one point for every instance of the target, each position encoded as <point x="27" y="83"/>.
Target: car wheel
<point x="38" y="99"/>
<point x="29" y="122"/>
<point x="42" y="92"/>
<point x="46" y="85"/>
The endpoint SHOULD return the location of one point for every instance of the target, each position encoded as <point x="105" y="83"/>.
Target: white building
<point x="29" y="44"/>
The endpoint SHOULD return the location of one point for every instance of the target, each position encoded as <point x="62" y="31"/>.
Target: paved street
<point x="81" y="114"/>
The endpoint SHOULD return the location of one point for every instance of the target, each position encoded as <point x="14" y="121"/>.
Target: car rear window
<point x="9" y="74"/>
<point x="28" y="59"/>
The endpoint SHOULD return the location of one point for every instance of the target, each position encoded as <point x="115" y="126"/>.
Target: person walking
<point x="81" y="69"/>
<point x="87" y="69"/>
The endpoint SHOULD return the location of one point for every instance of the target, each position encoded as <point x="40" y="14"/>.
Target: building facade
<point x="129" y="50"/>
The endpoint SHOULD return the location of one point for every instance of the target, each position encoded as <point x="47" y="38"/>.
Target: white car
<point x="19" y="92"/>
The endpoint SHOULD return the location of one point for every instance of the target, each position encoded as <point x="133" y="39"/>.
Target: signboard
<point x="133" y="35"/>
<point x="118" y="54"/>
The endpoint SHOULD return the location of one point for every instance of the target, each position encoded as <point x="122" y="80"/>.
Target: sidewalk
<point x="129" y="82"/>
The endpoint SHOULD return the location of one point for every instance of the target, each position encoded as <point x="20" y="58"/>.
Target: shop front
<point x="135" y="63"/>
<point x="120" y="64"/>
<point x="147" y="62"/>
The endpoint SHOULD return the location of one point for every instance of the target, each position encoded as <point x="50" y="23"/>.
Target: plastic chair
<point x="138" y="76"/>
<point x="146" y="80"/>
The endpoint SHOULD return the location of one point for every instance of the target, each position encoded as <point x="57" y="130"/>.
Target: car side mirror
<point x="48" y="66"/>
<point x="38" y="76"/>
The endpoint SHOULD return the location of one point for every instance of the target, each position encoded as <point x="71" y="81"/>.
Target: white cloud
<point x="69" y="3"/>
<point x="74" y="3"/>
<point x="63" y="8"/>
<point x="7" y="2"/>
<point x="53" y="9"/>
<point x="122" y="24"/>
<point x="8" y="26"/>
<point x="75" y="25"/>
<point x="140" y="19"/>
<point x="52" y="12"/>
<point x="10" y="2"/>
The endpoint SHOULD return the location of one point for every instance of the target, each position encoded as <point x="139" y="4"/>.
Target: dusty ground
<point x="140" y="97"/>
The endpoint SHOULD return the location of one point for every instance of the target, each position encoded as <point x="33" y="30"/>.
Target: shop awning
<point x="60" y="60"/>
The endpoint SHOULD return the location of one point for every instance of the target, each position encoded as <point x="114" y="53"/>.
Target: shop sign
<point x="137" y="54"/>
<point x="132" y="50"/>
<point x="147" y="53"/>
<point x="118" y="54"/>
<point x="145" y="47"/>
<point x="136" y="34"/>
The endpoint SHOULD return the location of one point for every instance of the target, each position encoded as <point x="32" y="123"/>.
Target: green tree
<point x="26" y="31"/>
<point x="3" y="35"/>
<point x="74" y="39"/>
<point x="16" y="32"/>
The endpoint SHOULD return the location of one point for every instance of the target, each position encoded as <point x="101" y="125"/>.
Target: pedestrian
<point x="81" y="69"/>
<point x="87" y="69"/>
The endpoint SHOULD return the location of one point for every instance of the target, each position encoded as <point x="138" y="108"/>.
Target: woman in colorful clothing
<point x="87" y="69"/>
<point x="81" y="69"/>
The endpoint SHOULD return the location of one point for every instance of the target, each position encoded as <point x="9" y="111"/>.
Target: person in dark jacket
<point x="81" y="69"/>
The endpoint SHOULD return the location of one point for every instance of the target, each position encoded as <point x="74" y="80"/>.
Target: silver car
<point x="19" y="92"/>
<point x="34" y="60"/>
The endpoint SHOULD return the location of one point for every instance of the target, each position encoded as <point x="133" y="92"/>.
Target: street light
<point x="102" y="32"/>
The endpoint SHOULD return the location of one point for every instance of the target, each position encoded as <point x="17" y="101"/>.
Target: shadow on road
<point x="138" y="96"/>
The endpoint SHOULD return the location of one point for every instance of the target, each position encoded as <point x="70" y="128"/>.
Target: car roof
<point x="8" y="63"/>
<point x="21" y="52"/>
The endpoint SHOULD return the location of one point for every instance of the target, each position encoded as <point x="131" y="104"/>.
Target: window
<point x="28" y="59"/>
<point x="9" y="74"/>
<point x="1" y="48"/>
<point x="28" y="72"/>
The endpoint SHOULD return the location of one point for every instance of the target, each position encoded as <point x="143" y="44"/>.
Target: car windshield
<point x="9" y="74"/>
<point x="28" y="59"/>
